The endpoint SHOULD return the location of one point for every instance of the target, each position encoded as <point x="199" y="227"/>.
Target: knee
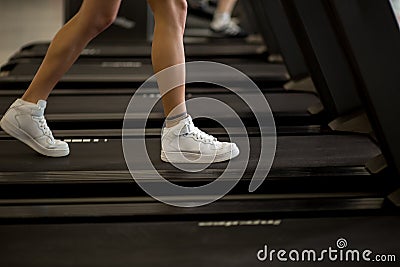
<point x="97" y="23"/>
<point x="172" y="11"/>
<point x="177" y="11"/>
<point x="103" y="21"/>
<point x="181" y="6"/>
<point x="166" y="6"/>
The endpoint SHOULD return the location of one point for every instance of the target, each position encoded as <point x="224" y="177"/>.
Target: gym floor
<point x="27" y="21"/>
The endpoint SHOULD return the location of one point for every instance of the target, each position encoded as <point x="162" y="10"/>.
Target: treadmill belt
<point x="193" y="243"/>
<point x="113" y="106"/>
<point x="106" y="155"/>
<point x="205" y="50"/>
<point x="125" y="71"/>
<point x="105" y="71"/>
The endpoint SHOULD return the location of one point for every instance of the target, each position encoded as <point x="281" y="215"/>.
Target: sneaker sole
<point x="193" y="158"/>
<point x="22" y="136"/>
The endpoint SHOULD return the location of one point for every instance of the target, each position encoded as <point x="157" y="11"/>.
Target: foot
<point x="25" y="121"/>
<point x="229" y="29"/>
<point x="185" y="143"/>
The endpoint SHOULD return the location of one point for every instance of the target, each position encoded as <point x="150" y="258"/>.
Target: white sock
<point x="220" y="20"/>
<point x="174" y="120"/>
<point x="26" y="102"/>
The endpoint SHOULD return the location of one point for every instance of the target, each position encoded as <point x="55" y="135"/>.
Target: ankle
<point x="27" y="100"/>
<point x="221" y="19"/>
<point x="172" y="121"/>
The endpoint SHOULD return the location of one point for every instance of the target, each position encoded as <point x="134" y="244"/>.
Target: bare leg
<point x="226" y="6"/>
<point x="180" y="135"/>
<point x="222" y="22"/>
<point x="168" y="48"/>
<point x="93" y="17"/>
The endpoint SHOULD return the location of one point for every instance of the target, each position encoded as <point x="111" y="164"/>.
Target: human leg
<point x="25" y="119"/>
<point x="168" y="50"/>
<point x="182" y="142"/>
<point x="222" y="22"/>
<point x="93" y="17"/>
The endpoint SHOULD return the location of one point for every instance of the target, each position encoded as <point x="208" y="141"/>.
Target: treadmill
<point x="274" y="15"/>
<point x="104" y="223"/>
<point x="324" y="167"/>
<point x="200" y="48"/>
<point x="93" y="107"/>
<point x="376" y="72"/>
<point x="114" y="63"/>
<point x="289" y="108"/>
<point x="155" y="243"/>
<point x="128" y="40"/>
<point x="265" y="30"/>
<point x="127" y="72"/>
<point x="318" y="42"/>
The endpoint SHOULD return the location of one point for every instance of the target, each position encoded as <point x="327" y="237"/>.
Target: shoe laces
<point x="46" y="130"/>
<point x="200" y="135"/>
<point x="232" y="28"/>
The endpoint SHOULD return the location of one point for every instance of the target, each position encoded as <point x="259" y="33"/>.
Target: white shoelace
<point x="232" y="28"/>
<point x="202" y="136"/>
<point x="46" y="130"/>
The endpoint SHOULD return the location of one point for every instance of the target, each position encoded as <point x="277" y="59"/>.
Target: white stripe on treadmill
<point x="240" y="223"/>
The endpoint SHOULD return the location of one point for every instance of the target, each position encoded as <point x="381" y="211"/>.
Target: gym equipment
<point x="87" y="208"/>
<point x="92" y="107"/>
<point x="377" y="74"/>
<point x="275" y="16"/>
<point x="322" y="167"/>
<point x="320" y="47"/>
<point x="195" y="49"/>
<point x="133" y="24"/>
<point x="131" y="34"/>
<point x="142" y="243"/>
<point x="265" y="30"/>
<point x="127" y="72"/>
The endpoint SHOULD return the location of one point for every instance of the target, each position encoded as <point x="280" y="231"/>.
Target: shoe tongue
<point x="186" y="126"/>
<point x="41" y="106"/>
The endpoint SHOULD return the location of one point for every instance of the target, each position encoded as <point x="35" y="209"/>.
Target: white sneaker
<point x="185" y="143"/>
<point x="229" y="29"/>
<point x="25" y="122"/>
